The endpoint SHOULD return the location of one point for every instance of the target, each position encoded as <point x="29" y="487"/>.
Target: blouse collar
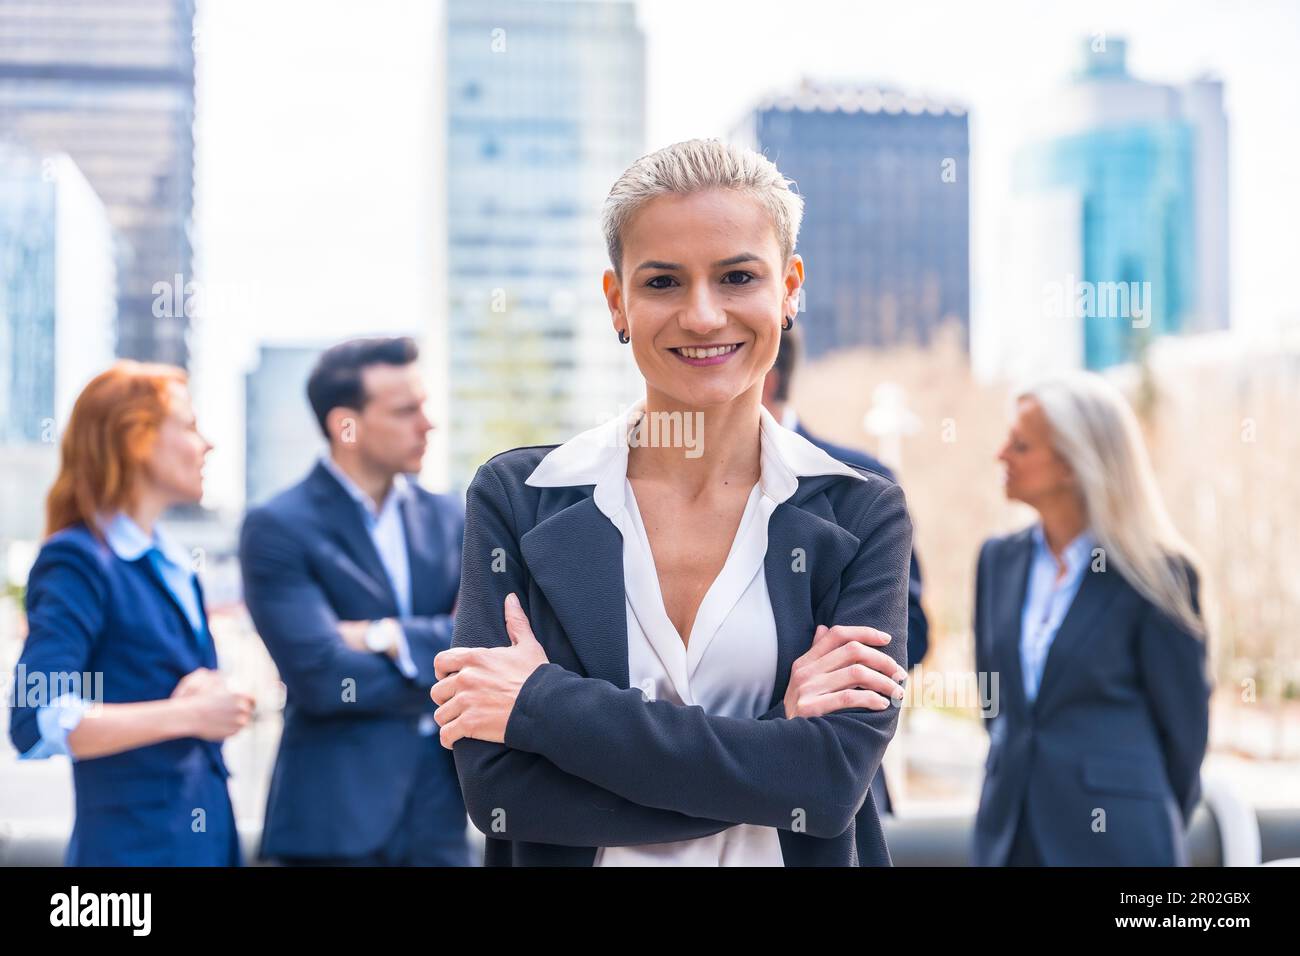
<point x="598" y="457"/>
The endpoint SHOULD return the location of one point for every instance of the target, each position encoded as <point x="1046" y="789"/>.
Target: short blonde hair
<point x="695" y="165"/>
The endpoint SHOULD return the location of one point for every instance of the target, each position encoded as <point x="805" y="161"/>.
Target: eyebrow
<point x="677" y="267"/>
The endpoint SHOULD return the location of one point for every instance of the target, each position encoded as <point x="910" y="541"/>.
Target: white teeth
<point x="707" y="353"/>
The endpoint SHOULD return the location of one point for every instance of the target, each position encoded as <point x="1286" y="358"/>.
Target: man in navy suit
<point x="351" y="577"/>
<point x="776" y="397"/>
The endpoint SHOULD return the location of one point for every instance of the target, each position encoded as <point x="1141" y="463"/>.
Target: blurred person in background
<point x="351" y="577"/>
<point x="1091" y="619"/>
<point x="110" y="594"/>
<point x="776" y="399"/>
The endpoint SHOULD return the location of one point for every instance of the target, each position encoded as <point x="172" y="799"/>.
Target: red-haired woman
<point x="119" y="670"/>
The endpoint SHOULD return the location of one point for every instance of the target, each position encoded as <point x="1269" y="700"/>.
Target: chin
<point x="706" y="395"/>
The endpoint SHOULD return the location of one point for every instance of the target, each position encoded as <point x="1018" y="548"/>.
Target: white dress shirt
<point x="728" y="665"/>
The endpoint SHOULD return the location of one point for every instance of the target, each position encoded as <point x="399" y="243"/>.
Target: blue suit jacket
<point x="90" y="611"/>
<point x="588" y="762"/>
<point x="348" y="764"/>
<point x="1119" y="725"/>
<point x="918" y="628"/>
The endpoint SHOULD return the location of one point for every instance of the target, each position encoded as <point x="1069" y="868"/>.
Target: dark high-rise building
<point x="886" y="230"/>
<point x="112" y="86"/>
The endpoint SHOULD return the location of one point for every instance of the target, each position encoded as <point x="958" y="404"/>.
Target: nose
<point x="702" y="313"/>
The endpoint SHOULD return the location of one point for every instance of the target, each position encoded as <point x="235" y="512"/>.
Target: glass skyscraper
<point x="112" y="85"/>
<point x="281" y="438"/>
<point x="1119" y="218"/>
<point x="56" y="292"/>
<point x="545" y="108"/>
<point x="886" y="229"/>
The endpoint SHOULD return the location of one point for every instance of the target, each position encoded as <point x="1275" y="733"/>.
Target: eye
<point x="661" y="282"/>
<point x="738" y="277"/>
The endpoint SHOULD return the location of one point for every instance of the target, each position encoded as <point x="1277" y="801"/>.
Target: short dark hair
<point x="336" y="379"/>
<point x="787" y="357"/>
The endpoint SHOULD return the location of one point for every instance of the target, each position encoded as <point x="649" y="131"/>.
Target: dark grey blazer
<point x="588" y="762"/>
<point x="1119" y="725"/>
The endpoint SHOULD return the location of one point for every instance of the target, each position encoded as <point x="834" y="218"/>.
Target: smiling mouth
<point x="711" y="355"/>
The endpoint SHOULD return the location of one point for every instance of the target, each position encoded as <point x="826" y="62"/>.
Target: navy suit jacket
<point x="348" y="762"/>
<point x="1119" y="725"/>
<point x="588" y="762"/>
<point x="918" y="628"/>
<point x="89" y="611"/>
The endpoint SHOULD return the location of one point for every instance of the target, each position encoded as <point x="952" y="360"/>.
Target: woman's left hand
<point x="477" y="686"/>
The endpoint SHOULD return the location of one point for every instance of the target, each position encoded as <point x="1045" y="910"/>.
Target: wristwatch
<point x="381" y="636"/>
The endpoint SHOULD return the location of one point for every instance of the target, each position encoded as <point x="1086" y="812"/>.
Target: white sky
<point x="317" y="204"/>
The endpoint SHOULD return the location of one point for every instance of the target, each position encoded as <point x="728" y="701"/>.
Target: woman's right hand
<point x="214" y="712"/>
<point x="843" y="670"/>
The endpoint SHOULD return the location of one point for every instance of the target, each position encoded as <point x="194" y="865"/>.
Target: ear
<point x="342" y="423"/>
<point x="614" y="299"/>
<point x="793" y="281"/>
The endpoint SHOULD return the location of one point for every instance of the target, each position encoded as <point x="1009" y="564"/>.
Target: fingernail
<point x="900" y="677"/>
<point x="511" y="600"/>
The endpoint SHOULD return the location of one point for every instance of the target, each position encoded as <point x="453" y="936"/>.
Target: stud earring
<point x="623" y="336"/>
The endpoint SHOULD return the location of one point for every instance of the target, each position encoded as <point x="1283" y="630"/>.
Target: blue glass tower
<point x="1127" y="152"/>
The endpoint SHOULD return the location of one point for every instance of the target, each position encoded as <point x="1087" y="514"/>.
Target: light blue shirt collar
<point x="401" y="490"/>
<point x="129" y="541"/>
<point x="1076" y="553"/>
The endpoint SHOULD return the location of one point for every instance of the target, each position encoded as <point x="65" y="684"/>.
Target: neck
<point x="723" y="443"/>
<point x="1063" y="520"/>
<point x="147" y="509"/>
<point x="376" y="483"/>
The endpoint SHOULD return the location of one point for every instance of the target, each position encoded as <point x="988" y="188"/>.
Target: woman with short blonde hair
<point x="677" y="656"/>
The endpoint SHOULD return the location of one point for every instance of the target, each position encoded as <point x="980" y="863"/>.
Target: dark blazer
<point x="348" y="765"/>
<point x="89" y="611"/>
<point x="918" y="628"/>
<point x="1119" y="725"/>
<point x="588" y="762"/>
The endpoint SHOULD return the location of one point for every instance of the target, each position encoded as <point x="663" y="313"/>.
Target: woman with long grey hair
<point x="1091" y="621"/>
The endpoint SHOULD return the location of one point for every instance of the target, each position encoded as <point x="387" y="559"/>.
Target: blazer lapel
<point x="209" y="644"/>
<point x="343" y="523"/>
<point x="806" y="555"/>
<point x="156" y="577"/>
<point x="1006" y="620"/>
<point x="584" y="586"/>
<point x="426" y="578"/>
<point x="1096" y="592"/>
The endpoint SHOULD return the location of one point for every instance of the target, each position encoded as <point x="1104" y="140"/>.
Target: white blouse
<point x="728" y="665"/>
